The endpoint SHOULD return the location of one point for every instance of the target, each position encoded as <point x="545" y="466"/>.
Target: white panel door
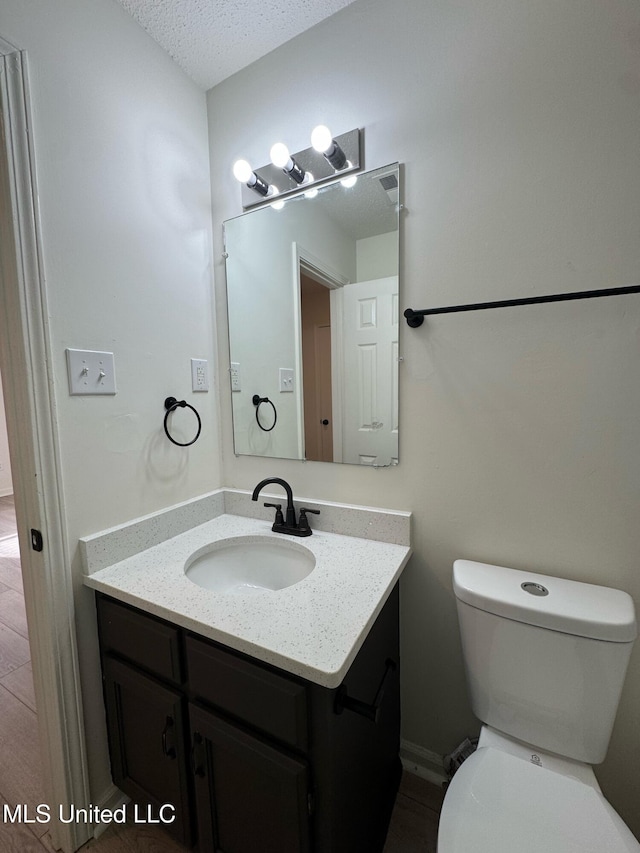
<point x="370" y="403"/>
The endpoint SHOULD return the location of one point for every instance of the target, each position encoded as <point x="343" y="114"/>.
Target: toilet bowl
<point x="512" y="799"/>
<point x="545" y="660"/>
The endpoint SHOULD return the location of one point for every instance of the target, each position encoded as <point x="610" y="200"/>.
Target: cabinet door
<point x="147" y="744"/>
<point x="250" y="796"/>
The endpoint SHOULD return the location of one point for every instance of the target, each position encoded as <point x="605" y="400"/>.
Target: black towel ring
<point x="257" y="402"/>
<point x="171" y="404"/>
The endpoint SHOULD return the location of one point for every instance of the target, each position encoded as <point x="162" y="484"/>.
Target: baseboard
<point x="112" y="799"/>
<point x="423" y="762"/>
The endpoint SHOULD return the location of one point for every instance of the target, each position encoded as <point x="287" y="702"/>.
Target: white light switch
<point x="199" y="374"/>
<point x="286" y="379"/>
<point x="91" y="372"/>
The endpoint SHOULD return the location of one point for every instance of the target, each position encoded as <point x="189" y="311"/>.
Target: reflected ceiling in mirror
<point x="313" y="304"/>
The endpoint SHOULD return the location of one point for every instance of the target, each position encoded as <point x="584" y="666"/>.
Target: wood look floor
<point x="414" y="824"/>
<point x="20" y="769"/>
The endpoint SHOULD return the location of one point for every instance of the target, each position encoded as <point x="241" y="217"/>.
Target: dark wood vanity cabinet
<point x="253" y="759"/>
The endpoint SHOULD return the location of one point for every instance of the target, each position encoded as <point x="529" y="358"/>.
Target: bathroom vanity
<point x="270" y="721"/>
<point x="252" y="757"/>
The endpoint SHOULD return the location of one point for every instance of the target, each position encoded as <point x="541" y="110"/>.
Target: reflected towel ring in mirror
<point x="171" y="404"/>
<point x="257" y="402"/>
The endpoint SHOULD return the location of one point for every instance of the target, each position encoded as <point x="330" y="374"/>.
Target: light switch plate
<point x="286" y="379"/>
<point x="91" y="372"/>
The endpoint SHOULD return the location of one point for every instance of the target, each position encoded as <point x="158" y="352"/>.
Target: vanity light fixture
<point x="302" y="172"/>
<point x="323" y="142"/>
<point x="281" y="158"/>
<point x="243" y="172"/>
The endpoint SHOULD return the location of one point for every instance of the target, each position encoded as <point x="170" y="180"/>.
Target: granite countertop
<point x="313" y="629"/>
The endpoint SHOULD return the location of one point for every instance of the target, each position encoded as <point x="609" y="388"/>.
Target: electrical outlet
<point x="234" y="373"/>
<point x="199" y="374"/>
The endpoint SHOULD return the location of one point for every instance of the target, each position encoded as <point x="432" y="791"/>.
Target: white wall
<point x="377" y="257"/>
<point x="123" y="177"/>
<point x="6" y="485"/>
<point x="517" y="126"/>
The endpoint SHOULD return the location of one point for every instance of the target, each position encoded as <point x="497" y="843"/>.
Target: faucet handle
<point x="303" y="521"/>
<point x="279" y="517"/>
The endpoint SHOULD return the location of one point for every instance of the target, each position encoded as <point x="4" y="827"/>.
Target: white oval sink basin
<point x="249" y="564"/>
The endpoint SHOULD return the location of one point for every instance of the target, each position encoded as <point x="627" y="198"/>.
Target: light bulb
<point x="326" y="145"/>
<point x="280" y="156"/>
<point x="321" y="138"/>
<point x="242" y="171"/>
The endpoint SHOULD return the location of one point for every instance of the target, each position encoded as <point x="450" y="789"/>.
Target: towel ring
<point x="257" y="402"/>
<point x="171" y="404"/>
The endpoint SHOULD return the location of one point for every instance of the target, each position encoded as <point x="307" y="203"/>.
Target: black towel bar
<point x="416" y="318"/>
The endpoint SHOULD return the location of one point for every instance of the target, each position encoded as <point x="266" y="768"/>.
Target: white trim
<point x="25" y="356"/>
<point x="112" y="799"/>
<point x="336" y="303"/>
<point x="296" y="302"/>
<point x="319" y="269"/>
<point x="423" y="762"/>
<point x="4" y="493"/>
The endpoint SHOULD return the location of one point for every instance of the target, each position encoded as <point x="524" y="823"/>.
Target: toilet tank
<point x="545" y="657"/>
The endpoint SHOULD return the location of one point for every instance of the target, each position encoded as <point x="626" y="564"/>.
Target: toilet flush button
<point x="534" y="588"/>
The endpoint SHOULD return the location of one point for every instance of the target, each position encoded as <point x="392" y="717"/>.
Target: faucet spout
<point x="290" y="521"/>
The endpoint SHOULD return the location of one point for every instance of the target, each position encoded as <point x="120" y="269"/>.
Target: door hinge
<point x="37" y="542"/>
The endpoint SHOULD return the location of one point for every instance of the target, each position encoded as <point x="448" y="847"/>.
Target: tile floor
<point x="414" y="824"/>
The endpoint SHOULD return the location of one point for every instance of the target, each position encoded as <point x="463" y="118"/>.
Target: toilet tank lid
<point x="572" y="607"/>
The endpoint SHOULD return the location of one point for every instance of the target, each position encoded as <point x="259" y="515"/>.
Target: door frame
<point x="325" y="274"/>
<point x="26" y="362"/>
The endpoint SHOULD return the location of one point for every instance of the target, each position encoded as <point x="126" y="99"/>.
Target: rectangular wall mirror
<point x="313" y="309"/>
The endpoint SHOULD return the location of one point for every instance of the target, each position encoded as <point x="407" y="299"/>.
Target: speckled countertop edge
<point x="313" y="629"/>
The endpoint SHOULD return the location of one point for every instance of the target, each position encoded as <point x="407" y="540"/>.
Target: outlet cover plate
<point x="199" y="374"/>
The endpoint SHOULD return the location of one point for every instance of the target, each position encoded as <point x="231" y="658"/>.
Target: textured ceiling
<point x="212" y="39"/>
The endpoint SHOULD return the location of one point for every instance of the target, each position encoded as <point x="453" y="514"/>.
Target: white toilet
<point x="545" y="660"/>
